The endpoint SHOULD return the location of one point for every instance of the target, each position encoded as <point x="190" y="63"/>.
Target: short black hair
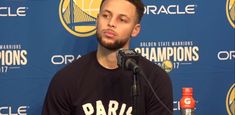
<point x="138" y="5"/>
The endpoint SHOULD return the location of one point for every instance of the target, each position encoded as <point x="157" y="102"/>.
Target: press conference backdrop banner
<point x="193" y="40"/>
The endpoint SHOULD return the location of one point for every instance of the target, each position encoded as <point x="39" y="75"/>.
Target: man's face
<point x="116" y="24"/>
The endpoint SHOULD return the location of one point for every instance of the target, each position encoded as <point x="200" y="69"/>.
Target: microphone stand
<point x="135" y="91"/>
<point x="128" y="59"/>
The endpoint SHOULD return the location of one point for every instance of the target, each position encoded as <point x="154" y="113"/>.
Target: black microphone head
<point x="120" y="58"/>
<point x="124" y="54"/>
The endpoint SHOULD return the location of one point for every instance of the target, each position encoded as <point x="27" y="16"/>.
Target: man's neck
<point x="107" y="58"/>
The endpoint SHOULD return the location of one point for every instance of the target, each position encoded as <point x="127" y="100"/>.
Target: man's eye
<point x="123" y="20"/>
<point x="105" y="15"/>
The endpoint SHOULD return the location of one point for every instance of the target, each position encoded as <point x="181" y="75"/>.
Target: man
<point x="94" y="85"/>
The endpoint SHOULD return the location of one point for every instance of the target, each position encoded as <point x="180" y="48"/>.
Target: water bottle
<point x="187" y="103"/>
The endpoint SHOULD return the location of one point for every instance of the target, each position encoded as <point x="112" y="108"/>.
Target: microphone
<point x="128" y="59"/>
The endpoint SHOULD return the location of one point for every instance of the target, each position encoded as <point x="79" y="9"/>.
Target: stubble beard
<point x="118" y="44"/>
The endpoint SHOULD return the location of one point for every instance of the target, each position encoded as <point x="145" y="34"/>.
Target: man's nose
<point x="112" y="23"/>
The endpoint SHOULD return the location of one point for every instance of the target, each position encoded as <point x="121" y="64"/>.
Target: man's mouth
<point x="109" y="33"/>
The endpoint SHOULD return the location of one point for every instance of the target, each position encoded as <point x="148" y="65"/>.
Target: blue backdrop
<point x="192" y="40"/>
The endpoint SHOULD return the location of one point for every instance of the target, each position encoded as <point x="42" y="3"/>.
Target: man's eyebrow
<point x="107" y="11"/>
<point x="124" y="15"/>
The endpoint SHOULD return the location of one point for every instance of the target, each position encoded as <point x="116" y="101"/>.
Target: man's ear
<point x="136" y="30"/>
<point x="97" y="18"/>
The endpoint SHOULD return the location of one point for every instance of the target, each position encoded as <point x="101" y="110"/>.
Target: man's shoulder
<point x="80" y="63"/>
<point x="151" y="68"/>
<point x="75" y="68"/>
<point x="145" y="63"/>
